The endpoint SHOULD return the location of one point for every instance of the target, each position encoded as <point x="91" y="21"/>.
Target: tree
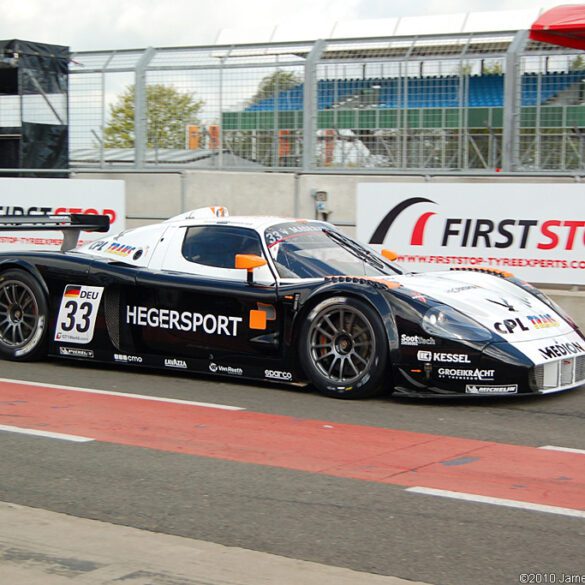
<point x="276" y="82"/>
<point x="493" y="68"/>
<point x="577" y="64"/>
<point x="168" y="112"/>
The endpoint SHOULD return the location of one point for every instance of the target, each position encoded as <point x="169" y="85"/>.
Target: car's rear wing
<point x="70" y="224"/>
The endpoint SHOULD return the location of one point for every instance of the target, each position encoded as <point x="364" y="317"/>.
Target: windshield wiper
<point x="355" y="249"/>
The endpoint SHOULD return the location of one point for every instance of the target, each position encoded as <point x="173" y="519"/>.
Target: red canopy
<point x="562" y="25"/>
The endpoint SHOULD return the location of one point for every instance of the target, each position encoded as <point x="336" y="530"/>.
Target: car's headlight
<point x="444" y="321"/>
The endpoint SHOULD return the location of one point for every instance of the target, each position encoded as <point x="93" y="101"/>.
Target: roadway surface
<point x="307" y="477"/>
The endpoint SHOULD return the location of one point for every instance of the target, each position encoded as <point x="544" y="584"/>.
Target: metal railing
<point x="455" y="103"/>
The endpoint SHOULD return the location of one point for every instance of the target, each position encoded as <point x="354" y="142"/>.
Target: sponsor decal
<point x="459" y="289"/>
<point x="461" y="374"/>
<point x="98" y="245"/>
<point x="416" y="340"/>
<point x="78" y="313"/>
<point x="415" y="295"/>
<point x="559" y="350"/>
<point x="175" y="363"/>
<point x="284" y="231"/>
<point x="219" y="369"/>
<point x="504" y="303"/>
<point x="277" y="375"/>
<point x="120" y="249"/>
<point x="436" y="356"/>
<point x="127" y="359"/>
<point x="543" y="321"/>
<point x="476" y="389"/>
<point x="182" y="321"/>
<point x="508" y="326"/>
<point x="76" y="352"/>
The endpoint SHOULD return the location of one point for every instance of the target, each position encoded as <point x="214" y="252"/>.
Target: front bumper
<point x="558" y="375"/>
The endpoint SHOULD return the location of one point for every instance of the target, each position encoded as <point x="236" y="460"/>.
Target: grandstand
<point x="422" y="92"/>
<point x="435" y="100"/>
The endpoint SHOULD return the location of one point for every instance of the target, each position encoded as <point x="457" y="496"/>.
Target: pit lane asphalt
<point x="347" y="523"/>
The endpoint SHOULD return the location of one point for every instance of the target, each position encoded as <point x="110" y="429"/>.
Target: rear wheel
<point x="343" y="348"/>
<point x="23" y="316"/>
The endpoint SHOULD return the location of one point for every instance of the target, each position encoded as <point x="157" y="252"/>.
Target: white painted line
<point x="123" y="394"/>
<point x="498" y="502"/>
<point x="564" y="449"/>
<point x="48" y="434"/>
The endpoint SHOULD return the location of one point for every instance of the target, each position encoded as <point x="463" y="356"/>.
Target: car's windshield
<point x="315" y="249"/>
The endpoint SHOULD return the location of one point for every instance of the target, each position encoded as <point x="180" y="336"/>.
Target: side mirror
<point x="389" y="255"/>
<point x="249" y="262"/>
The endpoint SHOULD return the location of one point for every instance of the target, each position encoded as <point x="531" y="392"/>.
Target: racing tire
<point x="23" y="316"/>
<point x="343" y="348"/>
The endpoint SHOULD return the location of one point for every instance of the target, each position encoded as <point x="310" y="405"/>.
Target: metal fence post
<point x="310" y="105"/>
<point x="513" y="103"/>
<point x="140" y="108"/>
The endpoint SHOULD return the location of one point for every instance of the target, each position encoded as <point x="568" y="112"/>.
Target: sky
<point x="88" y="25"/>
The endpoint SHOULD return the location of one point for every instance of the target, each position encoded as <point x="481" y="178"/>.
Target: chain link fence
<point x="475" y="102"/>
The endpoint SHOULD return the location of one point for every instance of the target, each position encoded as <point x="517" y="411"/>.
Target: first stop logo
<point x="46" y="210"/>
<point x="465" y="232"/>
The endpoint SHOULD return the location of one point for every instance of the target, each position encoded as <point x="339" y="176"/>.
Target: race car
<point x="282" y="300"/>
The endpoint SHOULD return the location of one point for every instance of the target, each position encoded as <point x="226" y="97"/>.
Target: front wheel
<point x="343" y="348"/>
<point x="23" y="316"/>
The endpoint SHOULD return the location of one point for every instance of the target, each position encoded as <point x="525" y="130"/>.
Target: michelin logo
<point x="475" y="389"/>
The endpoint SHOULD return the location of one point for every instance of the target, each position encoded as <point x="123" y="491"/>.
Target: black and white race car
<point x="284" y="300"/>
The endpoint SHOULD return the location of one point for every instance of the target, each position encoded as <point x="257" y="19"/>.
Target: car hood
<point x="498" y="304"/>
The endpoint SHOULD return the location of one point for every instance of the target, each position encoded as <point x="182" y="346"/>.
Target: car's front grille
<point x="580" y="368"/>
<point x="559" y="374"/>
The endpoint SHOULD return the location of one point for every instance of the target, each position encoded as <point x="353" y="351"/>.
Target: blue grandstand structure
<point x="421" y="92"/>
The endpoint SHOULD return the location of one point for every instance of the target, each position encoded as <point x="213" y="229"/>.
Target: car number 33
<point x="77" y="313"/>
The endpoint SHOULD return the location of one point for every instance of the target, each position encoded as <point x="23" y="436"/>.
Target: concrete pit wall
<point x="151" y="197"/>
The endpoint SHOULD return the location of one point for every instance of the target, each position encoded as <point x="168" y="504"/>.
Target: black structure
<point x="34" y="131"/>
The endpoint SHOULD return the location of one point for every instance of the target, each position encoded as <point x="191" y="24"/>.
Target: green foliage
<point x="577" y="64"/>
<point x="276" y="82"/>
<point x="494" y="68"/>
<point x="465" y="69"/>
<point x="168" y="113"/>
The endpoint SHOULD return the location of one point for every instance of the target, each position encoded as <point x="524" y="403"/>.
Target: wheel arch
<point x="12" y="263"/>
<point x="373" y="296"/>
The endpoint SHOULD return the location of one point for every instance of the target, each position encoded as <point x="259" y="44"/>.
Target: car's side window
<point x="217" y="246"/>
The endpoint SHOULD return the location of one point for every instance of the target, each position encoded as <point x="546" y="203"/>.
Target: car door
<point x="193" y="304"/>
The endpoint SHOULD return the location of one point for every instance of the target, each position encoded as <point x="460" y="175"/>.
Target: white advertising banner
<point x="534" y="230"/>
<point x="20" y="196"/>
